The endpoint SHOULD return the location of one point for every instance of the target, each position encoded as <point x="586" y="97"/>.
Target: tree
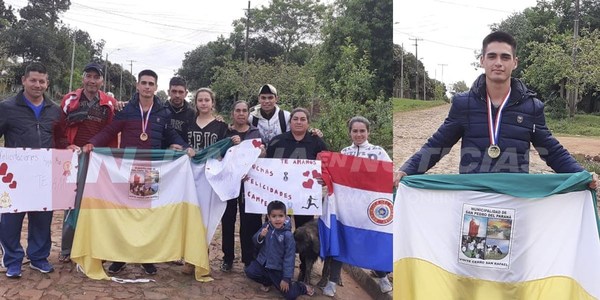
<point x="288" y="23"/>
<point x="552" y="66"/>
<point x="162" y="95"/>
<point x="368" y="24"/>
<point x="458" y="87"/>
<point x="46" y="11"/>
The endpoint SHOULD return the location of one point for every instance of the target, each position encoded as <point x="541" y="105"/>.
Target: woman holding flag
<point x="358" y="128"/>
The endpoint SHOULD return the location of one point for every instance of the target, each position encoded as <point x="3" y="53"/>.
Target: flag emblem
<point x="381" y="211"/>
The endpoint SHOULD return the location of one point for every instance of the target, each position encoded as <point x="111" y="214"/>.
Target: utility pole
<point x="131" y="61"/>
<point x="121" y="85"/>
<point x="72" y="64"/>
<point x="424" y="82"/>
<point x="246" y="46"/>
<point x="443" y="65"/>
<point x="402" y="70"/>
<point x="416" y="65"/>
<point x="574" y="91"/>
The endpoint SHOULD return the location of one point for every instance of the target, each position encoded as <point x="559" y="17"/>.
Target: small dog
<point x="308" y="247"/>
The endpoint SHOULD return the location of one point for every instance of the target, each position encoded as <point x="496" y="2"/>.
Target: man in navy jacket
<point x="498" y="120"/>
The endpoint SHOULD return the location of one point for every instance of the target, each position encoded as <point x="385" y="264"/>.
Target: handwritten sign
<point x="291" y="181"/>
<point x="37" y="179"/>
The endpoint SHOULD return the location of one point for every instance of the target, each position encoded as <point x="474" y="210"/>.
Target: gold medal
<point x="143" y="136"/>
<point x="493" y="151"/>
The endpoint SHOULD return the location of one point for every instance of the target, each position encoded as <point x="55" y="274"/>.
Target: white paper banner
<point x="291" y="181"/>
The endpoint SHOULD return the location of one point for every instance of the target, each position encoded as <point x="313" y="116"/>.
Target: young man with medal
<point x="498" y="120"/>
<point x="144" y="123"/>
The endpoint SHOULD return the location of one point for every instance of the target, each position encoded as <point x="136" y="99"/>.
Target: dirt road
<point x="412" y="129"/>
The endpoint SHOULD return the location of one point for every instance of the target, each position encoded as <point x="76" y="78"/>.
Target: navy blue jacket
<point x="21" y="128"/>
<point x="523" y="123"/>
<point x="277" y="251"/>
<point x="129" y="123"/>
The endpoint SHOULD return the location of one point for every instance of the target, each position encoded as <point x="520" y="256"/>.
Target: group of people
<point x="88" y="118"/>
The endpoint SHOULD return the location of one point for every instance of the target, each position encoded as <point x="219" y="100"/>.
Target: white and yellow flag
<point x="496" y="236"/>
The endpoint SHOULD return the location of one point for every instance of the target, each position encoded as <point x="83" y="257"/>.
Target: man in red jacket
<point x="85" y="112"/>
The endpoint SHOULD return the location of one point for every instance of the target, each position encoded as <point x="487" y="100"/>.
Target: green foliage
<point x="586" y="125"/>
<point x="458" y="87"/>
<point x="288" y="23"/>
<point x="556" y="107"/>
<point x="588" y="165"/>
<point x="368" y="25"/>
<point x="162" y="95"/>
<point x="402" y="104"/>
<point x="295" y="84"/>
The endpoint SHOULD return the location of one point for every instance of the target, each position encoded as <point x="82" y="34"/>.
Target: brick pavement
<point x="67" y="283"/>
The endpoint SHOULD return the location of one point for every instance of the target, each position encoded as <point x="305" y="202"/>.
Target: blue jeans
<point x="268" y="277"/>
<point x="38" y="238"/>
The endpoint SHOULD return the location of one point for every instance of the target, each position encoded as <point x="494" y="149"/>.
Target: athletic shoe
<point x="179" y="262"/>
<point x="43" y="266"/>
<point x="116" y="267"/>
<point x="149" y="269"/>
<point x="226" y="267"/>
<point x="384" y="285"/>
<point x="329" y="289"/>
<point x="14" y="271"/>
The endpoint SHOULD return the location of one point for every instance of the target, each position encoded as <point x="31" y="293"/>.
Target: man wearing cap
<point x="85" y="112"/>
<point x="181" y="112"/>
<point x="267" y="116"/>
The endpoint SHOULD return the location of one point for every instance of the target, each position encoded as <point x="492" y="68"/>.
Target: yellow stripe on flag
<point x="142" y="235"/>
<point x="416" y="279"/>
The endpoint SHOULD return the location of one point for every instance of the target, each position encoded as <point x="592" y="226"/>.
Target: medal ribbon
<point x="494" y="128"/>
<point x="145" y="122"/>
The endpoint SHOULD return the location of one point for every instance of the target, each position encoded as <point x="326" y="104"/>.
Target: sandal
<point x="309" y="290"/>
<point x="64" y="258"/>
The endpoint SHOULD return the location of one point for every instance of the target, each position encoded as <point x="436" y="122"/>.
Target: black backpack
<point x="281" y="116"/>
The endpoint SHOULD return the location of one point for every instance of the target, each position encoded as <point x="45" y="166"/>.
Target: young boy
<point x="274" y="264"/>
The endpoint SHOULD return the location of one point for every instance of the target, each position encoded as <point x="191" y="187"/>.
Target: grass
<point x="584" y="125"/>
<point x="401" y="104"/>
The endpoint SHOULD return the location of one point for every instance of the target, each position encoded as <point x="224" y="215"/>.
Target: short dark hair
<point x="502" y="37"/>
<point x="275" y="205"/>
<point x="35" y="67"/>
<point x="177" y="81"/>
<point x="300" y="109"/>
<point x="147" y="73"/>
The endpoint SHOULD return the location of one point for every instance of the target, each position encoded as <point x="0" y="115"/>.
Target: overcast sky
<point x="154" y="33"/>
<point x="451" y="32"/>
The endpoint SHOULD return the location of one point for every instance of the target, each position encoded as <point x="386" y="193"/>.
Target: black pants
<point x="249" y="225"/>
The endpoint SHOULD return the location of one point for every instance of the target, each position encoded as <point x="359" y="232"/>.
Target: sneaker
<point x="64" y="258"/>
<point x="149" y="269"/>
<point x="14" y="271"/>
<point x="179" y="262"/>
<point x="42" y="266"/>
<point x="116" y="267"/>
<point x="226" y="267"/>
<point x="384" y="285"/>
<point x="329" y="289"/>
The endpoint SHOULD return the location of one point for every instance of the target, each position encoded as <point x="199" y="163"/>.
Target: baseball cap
<point x="268" y="89"/>
<point x="94" y="67"/>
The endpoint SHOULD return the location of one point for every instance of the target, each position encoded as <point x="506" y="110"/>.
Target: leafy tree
<point x="368" y="25"/>
<point x="46" y="11"/>
<point x="458" y="87"/>
<point x="288" y="23"/>
<point x="162" y="95"/>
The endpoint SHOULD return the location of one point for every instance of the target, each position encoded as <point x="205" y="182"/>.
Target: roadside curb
<point x="367" y="282"/>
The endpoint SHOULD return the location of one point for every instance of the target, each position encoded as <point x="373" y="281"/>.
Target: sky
<point x="155" y="34"/>
<point x="451" y="32"/>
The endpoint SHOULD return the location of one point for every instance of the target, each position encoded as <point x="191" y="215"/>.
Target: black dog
<point x="308" y="246"/>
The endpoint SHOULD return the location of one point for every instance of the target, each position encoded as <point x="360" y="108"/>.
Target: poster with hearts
<point x="291" y="181"/>
<point x="37" y="179"/>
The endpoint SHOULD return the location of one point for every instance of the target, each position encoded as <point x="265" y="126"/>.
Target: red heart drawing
<point x="13" y="185"/>
<point x="316" y="174"/>
<point x="306" y="173"/>
<point x="308" y="184"/>
<point x="7" y="178"/>
<point x="3" y="169"/>
<point x="16" y="210"/>
<point x="45" y="208"/>
<point x="256" y="143"/>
